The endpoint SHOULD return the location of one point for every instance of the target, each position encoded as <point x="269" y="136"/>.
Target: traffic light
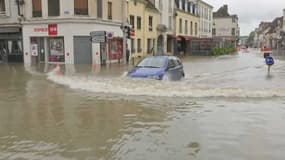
<point x="130" y="32"/>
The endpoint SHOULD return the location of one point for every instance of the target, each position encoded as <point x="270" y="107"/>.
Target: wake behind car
<point x="158" y="67"/>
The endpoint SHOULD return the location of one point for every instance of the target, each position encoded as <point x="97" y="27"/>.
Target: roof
<point x="222" y="12"/>
<point x="151" y="5"/>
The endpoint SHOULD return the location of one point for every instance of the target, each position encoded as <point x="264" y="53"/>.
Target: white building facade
<point x="165" y="26"/>
<point x="205" y="12"/>
<point x="58" y="31"/>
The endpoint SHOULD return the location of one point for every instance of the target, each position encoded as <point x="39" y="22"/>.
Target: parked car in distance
<point x="159" y="68"/>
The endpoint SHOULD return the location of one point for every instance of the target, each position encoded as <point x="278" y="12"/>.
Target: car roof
<point x="167" y="56"/>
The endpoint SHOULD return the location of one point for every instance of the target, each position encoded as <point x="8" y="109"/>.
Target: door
<point x="82" y="50"/>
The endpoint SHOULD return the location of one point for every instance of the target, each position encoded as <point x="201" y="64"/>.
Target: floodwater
<point x="227" y="107"/>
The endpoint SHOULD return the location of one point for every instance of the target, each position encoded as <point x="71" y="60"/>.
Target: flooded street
<point x="227" y="107"/>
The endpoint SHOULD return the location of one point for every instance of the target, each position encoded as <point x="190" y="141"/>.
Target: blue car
<point x="158" y="67"/>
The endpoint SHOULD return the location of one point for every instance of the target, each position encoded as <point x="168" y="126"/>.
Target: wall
<point x="189" y="17"/>
<point x="224" y="26"/>
<point x="206" y="19"/>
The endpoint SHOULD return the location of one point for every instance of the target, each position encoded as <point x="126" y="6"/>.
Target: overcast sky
<point x="251" y="12"/>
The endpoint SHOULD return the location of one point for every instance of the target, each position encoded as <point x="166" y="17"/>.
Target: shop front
<point x="11" y="45"/>
<point x="67" y="43"/>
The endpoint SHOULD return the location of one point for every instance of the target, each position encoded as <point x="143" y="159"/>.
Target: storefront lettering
<point x="41" y="29"/>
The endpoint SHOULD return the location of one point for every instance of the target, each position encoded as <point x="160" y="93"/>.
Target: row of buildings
<point x="269" y="34"/>
<point x="58" y="31"/>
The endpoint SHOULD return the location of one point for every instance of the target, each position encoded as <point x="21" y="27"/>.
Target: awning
<point x="187" y="38"/>
<point x="9" y="29"/>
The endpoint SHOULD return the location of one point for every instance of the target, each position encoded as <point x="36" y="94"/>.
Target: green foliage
<point x="223" y="51"/>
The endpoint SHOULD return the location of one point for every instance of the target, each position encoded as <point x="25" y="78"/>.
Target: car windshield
<point x="153" y="62"/>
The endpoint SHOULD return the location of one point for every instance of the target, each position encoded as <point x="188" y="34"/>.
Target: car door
<point x="173" y="69"/>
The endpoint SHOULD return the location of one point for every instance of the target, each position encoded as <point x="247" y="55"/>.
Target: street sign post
<point x="98" y="36"/>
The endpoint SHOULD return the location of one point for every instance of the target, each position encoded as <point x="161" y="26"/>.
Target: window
<point x="81" y="7"/>
<point x="170" y="23"/>
<point x="191" y="28"/>
<point x="186" y="27"/>
<point x="53" y="7"/>
<point x="99" y="9"/>
<point x="56" y="49"/>
<point x="37" y="8"/>
<point x="180" y="25"/>
<point x="233" y="31"/>
<point x="149" y="46"/>
<point x="2" y="7"/>
<point x="110" y="10"/>
<point x="139" y="45"/>
<point x="160" y="4"/>
<point x="214" y="31"/>
<point x="139" y="23"/>
<point x="196" y="29"/>
<point x="150" y="23"/>
<point x="183" y="5"/>
<point x="133" y="46"/>
<point x="132" y="21"/>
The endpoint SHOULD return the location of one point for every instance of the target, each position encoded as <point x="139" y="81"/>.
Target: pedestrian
<point x="127" y="54"/>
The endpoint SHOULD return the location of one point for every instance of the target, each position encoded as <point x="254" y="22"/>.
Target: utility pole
<point x="124" y="10"/>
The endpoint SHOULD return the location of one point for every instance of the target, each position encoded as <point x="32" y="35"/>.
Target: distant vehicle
<point x="159" y="68"/>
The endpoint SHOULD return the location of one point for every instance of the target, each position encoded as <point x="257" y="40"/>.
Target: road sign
<point x="110" y="35"/>
<point x="97" y="33"/>
<point x="98" y="39"/>
<point x="98" y="36"/>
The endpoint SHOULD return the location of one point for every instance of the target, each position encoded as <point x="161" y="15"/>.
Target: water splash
<point x="147" y="87"/>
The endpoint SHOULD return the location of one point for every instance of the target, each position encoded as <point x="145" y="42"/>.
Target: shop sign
<point x="40" y="29"/>
<point x="52" y="29"/>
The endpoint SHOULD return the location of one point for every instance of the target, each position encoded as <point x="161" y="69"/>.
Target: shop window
<point x="56" y="49"/>
<point x="53" y="8"/>
<point x="81" y="7"/>
<point x="37" y="8"/>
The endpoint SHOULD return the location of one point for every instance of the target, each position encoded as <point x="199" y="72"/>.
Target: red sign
<point x="52" y="29"/>
<point x="133" y="32"/>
